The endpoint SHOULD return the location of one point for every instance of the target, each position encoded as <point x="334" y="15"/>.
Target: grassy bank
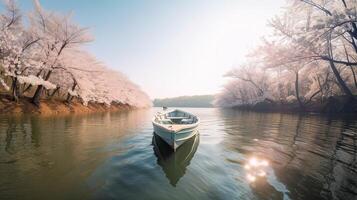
<point x="54" y="107"/>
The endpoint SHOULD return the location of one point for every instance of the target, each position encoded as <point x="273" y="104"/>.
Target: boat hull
<point x="175" y="139"/>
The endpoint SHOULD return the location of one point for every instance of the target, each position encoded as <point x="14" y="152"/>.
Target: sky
<point x="171" y="48"/>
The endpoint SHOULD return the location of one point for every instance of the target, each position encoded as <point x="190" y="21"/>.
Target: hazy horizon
<point x="170" y="49"/>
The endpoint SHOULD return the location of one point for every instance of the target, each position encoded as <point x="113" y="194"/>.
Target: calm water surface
<point x="237" y="155"/>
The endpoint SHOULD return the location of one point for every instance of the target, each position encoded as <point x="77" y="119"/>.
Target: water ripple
<point x="115" y="156"/>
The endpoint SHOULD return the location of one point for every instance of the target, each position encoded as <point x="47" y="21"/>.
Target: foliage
<point x="311" y="56"/>
<point x="46" y="57"/>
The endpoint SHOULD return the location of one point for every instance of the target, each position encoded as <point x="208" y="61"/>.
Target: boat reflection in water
<point x="174" y="164"/>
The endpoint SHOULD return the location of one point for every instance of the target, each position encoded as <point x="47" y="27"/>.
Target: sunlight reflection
<point x="256" y="168"/>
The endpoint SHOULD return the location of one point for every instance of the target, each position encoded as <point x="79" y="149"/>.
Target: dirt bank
<point x="54" y="107"/>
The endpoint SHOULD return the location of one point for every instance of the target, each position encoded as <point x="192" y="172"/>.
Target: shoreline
<point x="333" y="105"/>
<point x="59" y="107"/>
<point x="55" y="107"/>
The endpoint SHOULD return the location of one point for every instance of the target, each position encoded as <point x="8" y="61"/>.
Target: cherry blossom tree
<point x="310" y="56"/>
<point x="58" y="33"/>
<point x="46" y="57"/>
<point x="16" y="46"/>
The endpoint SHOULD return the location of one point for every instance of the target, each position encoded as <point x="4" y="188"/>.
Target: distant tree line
<point x="186" y="101"/>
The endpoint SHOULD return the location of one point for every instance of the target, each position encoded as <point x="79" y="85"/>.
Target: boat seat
<point x="166" y="121"/>
<point x="187" y="121"/>
<point x="177" y="117"/>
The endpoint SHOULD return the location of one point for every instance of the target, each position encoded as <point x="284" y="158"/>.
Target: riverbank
<point x="54" y="107"/>
<point x="332" y="105"/>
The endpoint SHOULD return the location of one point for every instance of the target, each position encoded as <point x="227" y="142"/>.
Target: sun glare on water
<point x="256" y="168"/>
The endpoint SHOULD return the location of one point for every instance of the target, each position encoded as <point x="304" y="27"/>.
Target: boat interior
<point x="175" y="117"/>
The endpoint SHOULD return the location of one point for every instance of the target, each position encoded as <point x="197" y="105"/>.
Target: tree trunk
<point x="69" y="96"/>
<point x="340" y="81"/>
<point x="353" y="34"/>
<point x="36" y="97"/>
<point x="30" y="86"/>
<point x="15" y="90"/>
<point x="27" y="89"/>
<point x="54" y="92"/>
<point x="297" y="93"/>
<point x="68" y="100"/>
<point x="354" y="76"/>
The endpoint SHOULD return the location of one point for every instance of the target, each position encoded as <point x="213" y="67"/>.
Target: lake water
<point x="237" y="155"/>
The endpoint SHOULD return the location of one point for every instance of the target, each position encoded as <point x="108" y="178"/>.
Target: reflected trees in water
<point x="312" y="156"/>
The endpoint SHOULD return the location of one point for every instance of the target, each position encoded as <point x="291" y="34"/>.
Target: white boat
<point x="175" y="127"/>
